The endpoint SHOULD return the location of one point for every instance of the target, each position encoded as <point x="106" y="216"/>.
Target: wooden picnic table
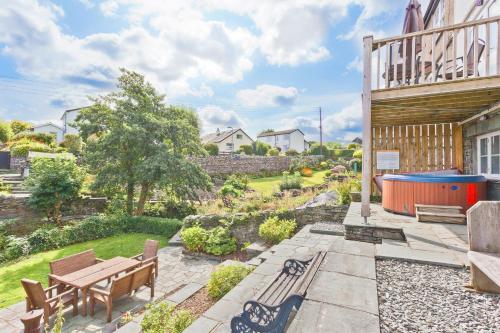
<point x="84" y="278"/>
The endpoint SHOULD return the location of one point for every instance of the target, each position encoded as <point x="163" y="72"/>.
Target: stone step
<point x="440" y="217"/>
<point x="175" y="240"/>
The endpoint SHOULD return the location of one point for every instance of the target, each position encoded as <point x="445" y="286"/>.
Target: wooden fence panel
<point x="421" y="147"/>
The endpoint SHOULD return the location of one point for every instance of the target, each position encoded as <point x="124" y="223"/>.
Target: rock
<point x="327" y="198"/>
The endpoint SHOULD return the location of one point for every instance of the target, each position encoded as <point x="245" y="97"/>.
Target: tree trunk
<point x="142" y="199"/>
<point x="130" y="198"/>
<point x="57" y="211"/>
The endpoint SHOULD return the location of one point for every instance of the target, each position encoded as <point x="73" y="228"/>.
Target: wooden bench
<point x="121" y="286"/>
<point x="72" y="264"/>
<point x="271" y="308"/>
<point x="484" y="245"/>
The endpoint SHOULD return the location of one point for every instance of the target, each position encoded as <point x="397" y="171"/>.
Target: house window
<point x="489" y="155"/>
<point x="239" y="136"/>
<point x="439" y="15"/>
<point x="286" y="137"/>
<point x="229" y="145"/>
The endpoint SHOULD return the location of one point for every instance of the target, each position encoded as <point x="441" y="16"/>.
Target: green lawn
<point x="36" y="267"/>
<point x="269" y="185"/>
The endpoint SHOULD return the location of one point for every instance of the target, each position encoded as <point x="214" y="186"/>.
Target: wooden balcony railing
<point x="456" y="52"/>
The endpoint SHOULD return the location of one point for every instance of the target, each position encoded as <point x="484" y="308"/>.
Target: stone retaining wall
<point x="17" y="164"/>
<point x="370" y="234"/>
<point x="225" y="164"/>
<point x="24" y="219"/>
<point x="245" y="226"/>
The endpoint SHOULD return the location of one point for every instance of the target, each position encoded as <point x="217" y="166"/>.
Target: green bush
<point x="273" y="152"/>
<point x="230" y="191"/>
<point x="21" y="148"/>
<point x="5" y="132"/>
<point x="171" y="208"/>
<point x="212" y="149"/>
<point x="358" y="153"/>
<point x="46" y="238"/>
<point x="344" y="193"/>
<point x="300" y="163"/>
<point x="274" y="230"/>
<point x="291" y="152"/>
<point x="343" y="153"/>
<point x="290" y="181"/>
<point x="194" y="238"/>
<point x="180" y="321"/>
<point x="72" y="143"/>
<point x="261" y="148"/>
<point x="15" y="247"/>
<point x="19" y="126"/>
<point x="45" y="138"/>
<point x="54" y="183"/>
<point x="4" y="187"/>
<point x="352" y="145"/>
<point x="162" y="318"/>
<point x="238" y="182"/>
<point x="150" y="225"/>
<point x="247" y="149"/>
<point x="220" y="242"/>
<point x="157" y="317"/>
<point x="226" y="278"/>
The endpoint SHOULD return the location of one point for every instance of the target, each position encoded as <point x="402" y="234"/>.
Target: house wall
<point x="285" y="142"/>
<point x="244" y="140"/>
<point x="471" y="132"/>
<point x="70" y="117"/>
<point x="50" y="129"/>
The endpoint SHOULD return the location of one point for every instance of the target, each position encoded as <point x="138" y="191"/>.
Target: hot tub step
<point x="441" y="218"/>
<point x="438" y="209"/>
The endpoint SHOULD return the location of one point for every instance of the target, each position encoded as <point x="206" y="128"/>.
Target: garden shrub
<point x="226" y="278"/>
<point x="53" y="183"/>
<point x="238" y="182"/>
<point x="194" y="238"/>
<point x="356" y="185"/>
<point x="15" y="247"/>
<point x="261" y="148"/>
<point x="274" y="230"/>
<point x="228" y="190"/>
<point x="220" y="242"/>
<point x="247" y="149"/>
<point x="358" y="153"/>
<point x="5" y="132"/>
<point x="290" y="181"/>
<point x="273" y="152"/>
<point x="72" y="143"/>
<point x="324" y="165"/>
<point x="344" y="191"/>
<point x="180" y="321"/>
<point x="291" y="152"/>
<point x="171" y="208"/>
<point x="300" y="163"/>
<point x="344" y="152"/>
<point x="45" y="138"/>
<point x="353" y="145"/>
<point x="150" y="225"/>
<point x="21" y="148"/>
<point x="19" y="126"/>
<point x="212" y="149"/>
<point x="4" y="187"/>
<point x="157" y="317"/>
<point x="46" y="238"/>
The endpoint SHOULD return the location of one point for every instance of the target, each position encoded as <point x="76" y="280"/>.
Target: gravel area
<point x="198" y="303"/>
<point x="427" y="298"/>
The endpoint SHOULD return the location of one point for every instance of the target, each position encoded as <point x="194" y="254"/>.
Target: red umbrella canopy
<point x="414" y="22"/>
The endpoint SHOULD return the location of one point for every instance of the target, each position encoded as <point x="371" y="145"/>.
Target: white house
<point x="68" y="117"/>
<point x="228" y="141"/>
<point x="285" y="140"/>
<point x="50" y="128"/>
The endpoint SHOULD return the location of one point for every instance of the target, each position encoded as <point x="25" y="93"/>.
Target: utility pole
<point x="320" y="132"/>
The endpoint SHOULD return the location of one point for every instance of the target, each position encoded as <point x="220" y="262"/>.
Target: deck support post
<point x="367" y="126"/>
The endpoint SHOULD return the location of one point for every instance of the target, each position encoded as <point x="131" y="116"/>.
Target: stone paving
<point x="344" y="288"/>
<point x="438" y="243"/>
<point x="176" y="271"/>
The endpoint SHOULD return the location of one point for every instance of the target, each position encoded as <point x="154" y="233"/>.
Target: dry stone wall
<point x="243" y="164"/>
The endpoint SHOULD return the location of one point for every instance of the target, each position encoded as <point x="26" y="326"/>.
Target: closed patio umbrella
<point x="414" y="22"/>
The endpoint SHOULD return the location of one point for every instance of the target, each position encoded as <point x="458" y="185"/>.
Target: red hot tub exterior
<point x="402" y="192"/>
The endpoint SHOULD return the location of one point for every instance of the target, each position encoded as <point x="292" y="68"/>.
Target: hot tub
<point x="402" y="192"/>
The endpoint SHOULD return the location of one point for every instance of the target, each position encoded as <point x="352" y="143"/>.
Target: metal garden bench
<point x="270" y="309"/>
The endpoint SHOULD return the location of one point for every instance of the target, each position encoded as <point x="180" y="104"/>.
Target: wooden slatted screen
<point x="421" y="147"/>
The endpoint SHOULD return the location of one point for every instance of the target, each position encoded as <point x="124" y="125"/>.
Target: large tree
<point x="134" y="142"/>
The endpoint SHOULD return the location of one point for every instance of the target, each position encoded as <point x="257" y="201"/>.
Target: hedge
<point x="92" y="228"/>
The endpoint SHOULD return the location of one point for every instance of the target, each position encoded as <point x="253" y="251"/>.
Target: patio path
<point x="437" y="243"/>
<point x="344" y="291"/>
<point x="176" y="271"/>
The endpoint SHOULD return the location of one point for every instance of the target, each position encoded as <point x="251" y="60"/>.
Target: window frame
<point x="489" y="155"/>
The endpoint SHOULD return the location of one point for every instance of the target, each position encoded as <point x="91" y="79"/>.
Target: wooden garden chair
<point x="39" y="298"/>
<point x="72" y="264"/>
<point x="124" y="285"/>
<point x="150" y="254"/>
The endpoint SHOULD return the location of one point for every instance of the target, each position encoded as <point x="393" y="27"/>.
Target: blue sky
<point x="252" y="64"/>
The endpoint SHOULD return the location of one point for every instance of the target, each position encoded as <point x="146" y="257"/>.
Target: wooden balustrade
<point x="456" y="52"/>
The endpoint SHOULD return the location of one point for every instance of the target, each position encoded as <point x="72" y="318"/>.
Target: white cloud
<point x="87" y="3"/>
<point x="109" y="7"/>
<point x="213" y="117"/>
<point x="268" y="95"/>
<point x="356" y="64"/>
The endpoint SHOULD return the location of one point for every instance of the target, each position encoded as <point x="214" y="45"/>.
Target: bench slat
<point x="488" y="263"/>
<point x="311" y="272"/>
